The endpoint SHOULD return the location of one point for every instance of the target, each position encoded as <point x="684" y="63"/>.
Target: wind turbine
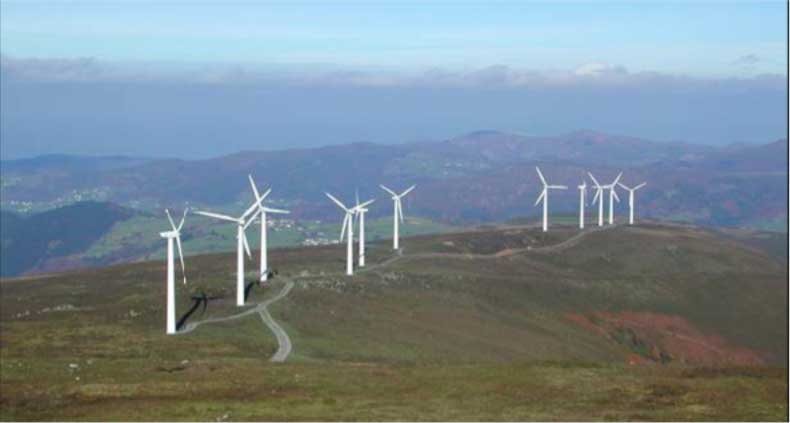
<point x="262" y="210"/>
<point x="242" y="223"/>
<point x="360" y="214"/>
<point x="631" y="200"/>
<point x="397" y="212"/>
<point x="598" y="198"/>
<point x="174" y="234"/>
<point x="613" y="196"/>
<point x="544" y="195"/>
<point x="582" y="192"/>
<point x="348" y="231"/>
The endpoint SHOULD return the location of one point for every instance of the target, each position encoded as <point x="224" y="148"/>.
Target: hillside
<point x="656" y="322"/>
<point x="45" y="241"/>
<point x="482" y="176"/>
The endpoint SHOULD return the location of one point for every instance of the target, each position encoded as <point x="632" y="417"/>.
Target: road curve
<point x="283" y="341"/>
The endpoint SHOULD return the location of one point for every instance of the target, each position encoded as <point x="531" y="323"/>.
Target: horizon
<point x="465" y="134"/>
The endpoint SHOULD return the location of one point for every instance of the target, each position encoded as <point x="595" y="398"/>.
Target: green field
<point x="657" y="322"/>
<point x="139" y="236"/>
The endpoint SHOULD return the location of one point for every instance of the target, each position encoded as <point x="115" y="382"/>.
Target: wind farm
<point x="389" y="211"/>
<point x="600" y="290"/>
<point x="400" y="316"/>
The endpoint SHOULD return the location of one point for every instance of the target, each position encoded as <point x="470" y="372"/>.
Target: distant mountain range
<point x="478" y="177"/>
<point x="63" y="212"/>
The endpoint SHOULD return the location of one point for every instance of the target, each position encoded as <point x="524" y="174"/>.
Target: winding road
<point x="284" y="342"/>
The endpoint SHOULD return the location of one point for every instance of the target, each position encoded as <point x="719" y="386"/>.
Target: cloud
<point x="598" y="69"/>
<point x="495" y="76"/>
<point x="747" y="60"/>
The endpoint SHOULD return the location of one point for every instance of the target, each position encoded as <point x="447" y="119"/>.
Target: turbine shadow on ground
<point x="198" y="300"/>
<point x="248" y="288"/>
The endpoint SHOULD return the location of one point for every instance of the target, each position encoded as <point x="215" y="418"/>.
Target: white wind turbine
<point x="360" y="213"/>
<point x="242" y="223"/>
<point x="544" y="195"/>
<point x="174" y="234"/>
<point x="631" y="200"/>
<point x="262" y="210"/>
<point x="582" y="193"/>
<point x="599" y="189"/>
<point x="348" y="231"/>
<point x="397" y="213"/>
<point x="613" y="196"/>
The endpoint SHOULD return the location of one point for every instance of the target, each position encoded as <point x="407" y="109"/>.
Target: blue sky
<point x="207" y="78"/>
<point x="701" y="38"/>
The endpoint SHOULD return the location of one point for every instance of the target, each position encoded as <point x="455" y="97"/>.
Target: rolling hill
<point x="47" y="241"/>
<point x="653" y="322"/>
<point x="482" y="176"/>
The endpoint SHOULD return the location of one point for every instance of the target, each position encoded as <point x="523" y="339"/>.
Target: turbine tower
<point x="598" y="197"/>
<point x="174" y="234"/>
<point x="360" y="214"/>
<point x="631" y="200"/>
<point x="613" y="196"/>
<point x="544" y="195"/>
<point x="242" y="245"/>
<point x="397" y="212"/>
<point x="348" y="231"/>
<point x="582" y="192"/>
<point x="262" y="210"/>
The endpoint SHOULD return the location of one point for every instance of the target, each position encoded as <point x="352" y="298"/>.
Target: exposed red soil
<point x="665" y="337"/>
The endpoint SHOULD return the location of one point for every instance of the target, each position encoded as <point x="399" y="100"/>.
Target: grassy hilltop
<point x="655" y="322"/>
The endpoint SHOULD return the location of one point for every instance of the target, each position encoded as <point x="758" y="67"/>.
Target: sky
<point x="94" y="77"/>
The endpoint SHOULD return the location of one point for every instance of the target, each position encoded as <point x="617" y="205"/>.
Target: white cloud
<point x="89" y="70"/>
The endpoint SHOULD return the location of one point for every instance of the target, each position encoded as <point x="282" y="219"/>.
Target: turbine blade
<point x="172" y="224"/>
<point x="181" y="256"/>
<point x="542" y="179"/>
<point x="345" y="223"/>
<point x="341" y="205"/>
<point x="598" y="193"/>
<point x="183" y="218"/>
<point x="254" y="188"/>
<point x="265" y="194"/>
<point x="640" y="186"/>
<point x="614" y="194"/>
<point x="251" y="219"/>
<point x="622" y="185"/>
<point x="388" y="190"/>
<point x="356" y="196"/>
<point x="557" y="187"/>
<point x="256" y="205"/>
<point x="595" y="181"/>
<point x="366" y="203"/>
<point x="617" y="179"/>
<point x="218" y="216"/>
<point x="400" y="210"/>
<point x="269" y="210"/>
<point x="540" y="197"/>
<point x="403" y="194"/>
<point x="246" y="244"/>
